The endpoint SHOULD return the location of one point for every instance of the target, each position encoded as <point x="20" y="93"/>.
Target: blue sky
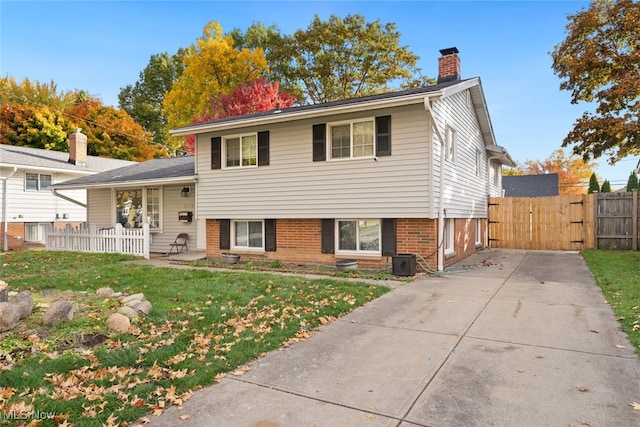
<point x="102" y="46"/>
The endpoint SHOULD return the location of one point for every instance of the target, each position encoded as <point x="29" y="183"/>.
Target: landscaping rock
<point x="25" y="302"/>
<point x="4" y="290"/>
<point x="142" y="307"/>
<point x="134" y="297"/>
<point x="105" y="291"/>
<point x="9" y="316"/>
<point x="129" y="312"/>
<point x="58" y="312"/>
<point x="118" y="322"/>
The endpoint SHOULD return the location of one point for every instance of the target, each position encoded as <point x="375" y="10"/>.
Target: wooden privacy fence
<point x="133" y="241"/>
<point x="617" y="225"/>
<point x="553" y="223"/>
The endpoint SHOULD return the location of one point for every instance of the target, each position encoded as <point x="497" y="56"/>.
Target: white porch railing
<point x="133" y="241"/>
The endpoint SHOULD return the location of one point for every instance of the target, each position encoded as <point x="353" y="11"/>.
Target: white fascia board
<point x="46" y="169"/>
<point x="126" y="184"/>
<point x="312" y="113"/>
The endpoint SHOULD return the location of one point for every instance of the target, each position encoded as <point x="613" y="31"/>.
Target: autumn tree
<point x="112" y="132"/>
<point x="599" y="63"/>
<point x="213" y="68"/>
<point x="594" y="185"/>
<point x="258" y="95"/>
<point x="143" y="100"/>
<point x="572" y="171"/>
<point x="33" y="126"/>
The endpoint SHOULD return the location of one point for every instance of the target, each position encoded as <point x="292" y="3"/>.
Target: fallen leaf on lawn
<point x="582" y="388"/>
<point x="185" y="417"/>
<point x="635" y="405"/>
<point x="144" y="420"/>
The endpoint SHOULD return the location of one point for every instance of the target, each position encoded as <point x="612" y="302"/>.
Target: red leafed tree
<point x="259" y="95"/>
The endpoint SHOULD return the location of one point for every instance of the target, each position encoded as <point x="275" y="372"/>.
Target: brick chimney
<point x="448" y="65"/>
<point x="78" y="148"/>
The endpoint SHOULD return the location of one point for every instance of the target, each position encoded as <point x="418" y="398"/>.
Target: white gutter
<point x="427" y="107"/>
<point x="128" y="184"/>
<point x="5" y="244"/>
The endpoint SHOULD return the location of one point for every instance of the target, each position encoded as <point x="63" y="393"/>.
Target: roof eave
<point x="120" y="184"/>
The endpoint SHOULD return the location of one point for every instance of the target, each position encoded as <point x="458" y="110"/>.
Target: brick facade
<point x="300" y="241"/>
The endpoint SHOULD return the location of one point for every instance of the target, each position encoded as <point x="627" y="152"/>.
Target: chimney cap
<point x="449" y="51"/>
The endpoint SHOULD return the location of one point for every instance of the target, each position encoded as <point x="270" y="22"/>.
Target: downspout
<point x="427" y="107"/>
<point x="5" y="244"/>
<point x="69" y="199"/>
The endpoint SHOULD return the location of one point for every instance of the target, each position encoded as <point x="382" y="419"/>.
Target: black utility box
<point x="404" y="265"/>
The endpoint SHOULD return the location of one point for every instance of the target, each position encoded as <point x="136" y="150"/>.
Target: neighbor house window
<point x="247" y="234"/>
<point x="358" y="235"/>
<point x="450" y="144"/>
<point x="34" y="232"/>
<point x="37" y="182"/>
<point x="241" y="151"/>
<point x="137" y="206"/>
<point x="352" y="139"/>
<point x="449" y="233"/>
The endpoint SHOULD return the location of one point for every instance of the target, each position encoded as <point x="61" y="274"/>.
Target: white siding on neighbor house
<point x="42" y="205"/>
<point x="465" y="192"/>
<point x="294" y="186"/>
<point x="102" y="213"/>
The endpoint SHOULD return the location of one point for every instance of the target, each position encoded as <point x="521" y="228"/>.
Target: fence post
<point x="118" y="238"/>
<point x="634" y="220"/>
<point x="67" y="237"/>
<point x="146" y="236"/>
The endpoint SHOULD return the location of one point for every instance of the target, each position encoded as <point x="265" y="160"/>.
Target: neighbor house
<point x="160" y="192"/>
<point x="368" y="178"/>
<point x="27" y="203"/>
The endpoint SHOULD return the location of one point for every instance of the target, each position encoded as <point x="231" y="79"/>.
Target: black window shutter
<point x="389" y="237"/>
<point x="263" y="148"/>
<point x="225" y="233"/>
<point x="383" y="136"/>
<point x="328" y="236"/>
<point x="319" y="142"/>
<point x="216" y="152"/>
<point x="269" y="234"/>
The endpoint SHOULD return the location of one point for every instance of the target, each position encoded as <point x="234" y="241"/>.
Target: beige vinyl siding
<point x="465" y="193"/>
<point x="42" y="206"/>
<point x="293" y="186"/>
<point x="100" y="208"/>
<point x="172" y="203"/>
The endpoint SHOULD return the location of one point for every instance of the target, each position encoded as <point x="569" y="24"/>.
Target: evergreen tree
<point x="606" y="187"/>
<point x="594" y="187"/>
<point x="632" y="183"/>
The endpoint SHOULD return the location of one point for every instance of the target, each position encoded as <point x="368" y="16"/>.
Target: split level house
<point x="368" y="178"/>
<point x="28" y="203"/>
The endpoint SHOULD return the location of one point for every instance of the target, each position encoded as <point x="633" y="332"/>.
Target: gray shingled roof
<point x="13" y="155"/>
<point x="530" y="185"/>
<point x="151" y="170"/>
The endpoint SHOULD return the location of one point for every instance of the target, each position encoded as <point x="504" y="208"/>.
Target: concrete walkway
<point x="522" y="339"/>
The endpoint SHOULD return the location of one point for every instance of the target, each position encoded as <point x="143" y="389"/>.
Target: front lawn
<point x="617" y="272"/>
<point x="203" y="325"/>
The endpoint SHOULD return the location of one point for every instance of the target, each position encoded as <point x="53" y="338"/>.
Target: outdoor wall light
<point x="185" y="191"/>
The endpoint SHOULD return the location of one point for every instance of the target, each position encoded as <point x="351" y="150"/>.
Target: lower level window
<point x="248" y="234"/>
<point x="448" y="236"/>
<point x="34" y="232"/>
<point x="478" y="232"/>
<point x="359" y="235"/>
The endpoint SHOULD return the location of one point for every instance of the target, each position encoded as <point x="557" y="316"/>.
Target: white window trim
<point x="357" y="252"/>
<point x="478" y="239"/>
<point x="329" y="144"/>
<point x="451" y="144"/>
<point x="246" y="248"/>
<point x="449" y="237"/>
<point x="114" y="210"/>
<point x="224" y="150"/>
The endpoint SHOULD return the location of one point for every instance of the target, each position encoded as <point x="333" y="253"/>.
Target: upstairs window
<point x="37" y="182"/>
<point x="241" y="151"/>
<point x="353" y="139"/>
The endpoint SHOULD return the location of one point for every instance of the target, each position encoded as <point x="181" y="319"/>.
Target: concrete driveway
<point x="521" y="339"/>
